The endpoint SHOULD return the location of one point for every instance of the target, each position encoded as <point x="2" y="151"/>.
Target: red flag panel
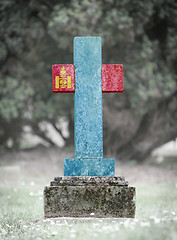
<point x="63" y="77"/>
<point x="112" y="78"/>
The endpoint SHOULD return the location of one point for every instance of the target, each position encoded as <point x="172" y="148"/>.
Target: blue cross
<point x="88" y="123"/>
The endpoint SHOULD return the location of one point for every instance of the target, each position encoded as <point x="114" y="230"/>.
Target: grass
<point x="21" y="206"/>
<point x="21" y="216"/>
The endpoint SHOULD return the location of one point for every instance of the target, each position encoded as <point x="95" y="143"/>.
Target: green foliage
<point x="15" y="96"/>
<point x="34" y="35"/>
<point x="127" y="30"/>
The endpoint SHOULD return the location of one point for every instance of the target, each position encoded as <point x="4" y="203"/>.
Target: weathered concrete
<point x="89" y="197"/>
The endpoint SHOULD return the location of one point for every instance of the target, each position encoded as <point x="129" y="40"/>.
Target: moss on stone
<point x="81" y="200"/>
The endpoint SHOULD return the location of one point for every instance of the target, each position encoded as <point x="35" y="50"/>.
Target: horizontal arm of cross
<point x="64" y="78"/>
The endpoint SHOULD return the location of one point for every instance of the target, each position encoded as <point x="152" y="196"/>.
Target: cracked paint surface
<point x="88" y="98"/>
<point x="89" y="167"/>
<point x="87" y="78"/>
<point x="88" y="126"/>
<point x="63" y="78"/>
<point x="112" y="78"/>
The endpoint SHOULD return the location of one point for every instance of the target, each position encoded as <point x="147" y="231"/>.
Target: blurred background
<point x="141" y="35"/>
<point x="37" y="126"/>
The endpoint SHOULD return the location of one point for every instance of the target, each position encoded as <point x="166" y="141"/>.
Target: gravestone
<point x="89" y="187"/>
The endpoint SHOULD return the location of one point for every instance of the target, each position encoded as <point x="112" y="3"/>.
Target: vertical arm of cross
<point x="88" y="98"/>
<point x="88" y="159"/>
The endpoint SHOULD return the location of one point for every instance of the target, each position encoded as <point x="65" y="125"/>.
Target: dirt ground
<point x="46" y="163"/>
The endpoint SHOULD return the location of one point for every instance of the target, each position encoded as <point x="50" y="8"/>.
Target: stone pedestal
<point x="101" y="197"/>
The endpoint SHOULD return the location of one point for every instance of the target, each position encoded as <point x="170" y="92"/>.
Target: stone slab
<point x="96" y="198"/>
<point x="89" y="167"/>
<point x="84" y="181"/>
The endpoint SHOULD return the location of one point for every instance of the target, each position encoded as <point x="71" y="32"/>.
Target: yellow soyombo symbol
<point x="63" y="81"/>
<point x="56" y="81"/>
<point x="69" y="81"/>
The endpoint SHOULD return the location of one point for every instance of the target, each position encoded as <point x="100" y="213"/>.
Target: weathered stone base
<point x="89" y="197"/>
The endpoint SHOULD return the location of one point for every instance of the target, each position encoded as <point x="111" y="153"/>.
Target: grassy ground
<point x="21" y="207"/>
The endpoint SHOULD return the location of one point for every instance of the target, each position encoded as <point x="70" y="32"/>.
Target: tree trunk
<point x="70" y="141"/>
<point x="156" y="127"/>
